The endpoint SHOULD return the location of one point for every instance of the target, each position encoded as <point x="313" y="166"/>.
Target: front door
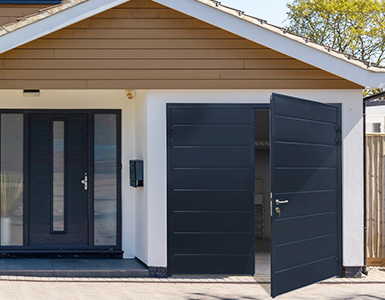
<point x="58" y="191"/>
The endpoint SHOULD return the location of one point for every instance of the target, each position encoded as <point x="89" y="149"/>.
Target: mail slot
<point x="136" y="173"/>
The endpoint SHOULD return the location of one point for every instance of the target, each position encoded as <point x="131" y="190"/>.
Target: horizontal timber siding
<point x="143" y="45"/>
<point x="11" y="12"/>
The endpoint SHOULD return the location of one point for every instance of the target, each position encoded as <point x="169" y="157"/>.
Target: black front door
<point x="58" y="162"/>
<point x="306" y="193"/>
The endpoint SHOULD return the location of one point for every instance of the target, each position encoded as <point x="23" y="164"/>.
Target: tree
<point x="355" y="27"/>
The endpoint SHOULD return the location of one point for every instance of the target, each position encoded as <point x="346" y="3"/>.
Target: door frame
<point x="90" y="248"/>
<point x="253" y="106"/>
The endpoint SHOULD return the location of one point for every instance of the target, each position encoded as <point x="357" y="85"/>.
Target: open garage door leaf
<point x="305" y="204"/>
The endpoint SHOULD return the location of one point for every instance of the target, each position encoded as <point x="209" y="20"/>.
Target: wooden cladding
<point x="375" y="198"/>
<point x="143" y="45"/>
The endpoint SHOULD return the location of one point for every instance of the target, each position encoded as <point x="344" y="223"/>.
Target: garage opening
<point x="219" y="186"/>
<point x="261" y="192"/>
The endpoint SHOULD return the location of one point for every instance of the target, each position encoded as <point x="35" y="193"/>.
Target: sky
<point x="273" y="11"/>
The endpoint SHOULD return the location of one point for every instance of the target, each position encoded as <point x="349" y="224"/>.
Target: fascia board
<point x="55" y="22"/>
<point x="275" y="41"/>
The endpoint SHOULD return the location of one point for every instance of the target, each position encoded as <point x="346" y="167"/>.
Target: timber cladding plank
<point x="221" y="84"/>
<point x="141" y="44"/>
<point x="142" y="33"/>
<point x="43" y="84"/>
<point x="121" y="64"/>
<point x="141" y="23"/>
<point x="170" y="64"/>
<point x="165" y="54"/>
<point x="164" y="74"/>
<point x="109" y="74"/>
<point x="141" y="13"/>
<point x="175" y="84"/>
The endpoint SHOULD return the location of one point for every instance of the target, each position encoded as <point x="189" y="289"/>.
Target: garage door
<point x="210" y="189"/>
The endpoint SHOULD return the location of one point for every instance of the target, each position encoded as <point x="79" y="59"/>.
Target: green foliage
<point x="355" y="27"/>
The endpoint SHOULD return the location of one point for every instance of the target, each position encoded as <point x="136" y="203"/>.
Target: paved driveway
<point x="248" y="288"/>
<point x="171" y="291"/>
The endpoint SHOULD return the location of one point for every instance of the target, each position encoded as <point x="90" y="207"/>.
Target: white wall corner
<point x="157" y="196"/>
<point x="141" y="194"/>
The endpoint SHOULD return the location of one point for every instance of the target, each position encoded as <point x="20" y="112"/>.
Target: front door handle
<point x="85" y="181"/>
<point x="278" y="202"/>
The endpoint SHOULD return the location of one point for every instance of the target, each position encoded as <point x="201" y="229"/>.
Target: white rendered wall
<point x="353" y="242"/>
<point x="92" y="100"/>
<point x="144" y="230"/>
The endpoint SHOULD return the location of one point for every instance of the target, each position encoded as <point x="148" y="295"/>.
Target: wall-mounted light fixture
<point x="31" y="93"/>
<point x="130" y="94"/>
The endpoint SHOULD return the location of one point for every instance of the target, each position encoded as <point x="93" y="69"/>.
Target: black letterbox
<point x="136" y="173"/>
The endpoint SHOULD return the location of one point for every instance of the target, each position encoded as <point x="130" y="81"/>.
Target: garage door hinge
<point x="337" y="141"/>
<point x="170" y="141"/>
<point x="169" y="130"/>
<point x="337" y="258"/>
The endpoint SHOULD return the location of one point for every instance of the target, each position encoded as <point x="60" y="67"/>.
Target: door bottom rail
<point x="60" y="254"/>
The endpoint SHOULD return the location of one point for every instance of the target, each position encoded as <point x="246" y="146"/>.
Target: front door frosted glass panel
<point x="105" y="180"/>
<point x="58" y="176"/>
<point x="11" y="179"/>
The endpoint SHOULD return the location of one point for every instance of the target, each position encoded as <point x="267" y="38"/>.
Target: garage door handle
<point x="278" y="202"/>
<point x="85" y="181"/>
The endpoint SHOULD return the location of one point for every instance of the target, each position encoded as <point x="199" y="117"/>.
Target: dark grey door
<point x="305" y="176"/>
<point x="58" y="160"/>
<point x="210" y="189"/>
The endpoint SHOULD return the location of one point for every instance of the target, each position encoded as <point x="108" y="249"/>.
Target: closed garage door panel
<point x="210" y="189"/>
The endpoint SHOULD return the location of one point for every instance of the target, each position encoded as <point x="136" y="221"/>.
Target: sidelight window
<point x="11" y="166"/>
<point x="105" y="168"/>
